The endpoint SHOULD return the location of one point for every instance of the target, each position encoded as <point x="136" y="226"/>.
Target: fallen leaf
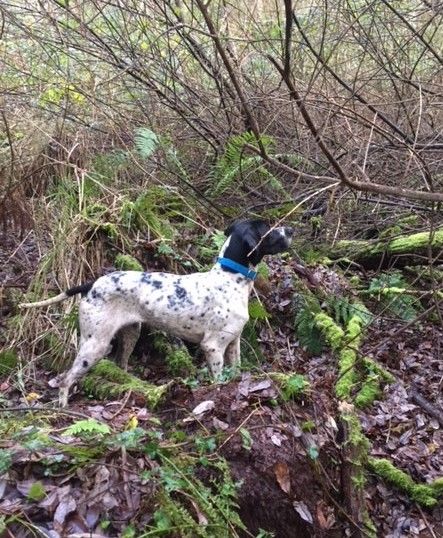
<point x="303" y="511"/>
<point x="281" y="471"/>
<point x="262" y="385"/>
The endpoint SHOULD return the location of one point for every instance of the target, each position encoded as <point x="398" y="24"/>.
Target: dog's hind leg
<point x="97" y="330"/>
<point x="126" y="339"/>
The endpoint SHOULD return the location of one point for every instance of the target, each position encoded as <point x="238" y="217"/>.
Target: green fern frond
<point x="87" y="427"/>
<point x="234" y="162"/>
<point x="146" y="142"/>
<point x="309" y="335"/>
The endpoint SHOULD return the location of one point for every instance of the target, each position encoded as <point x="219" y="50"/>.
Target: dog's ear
<point x="230" y="229"/>
<point x="252" y="234"/>
<point x="250" y="227"/>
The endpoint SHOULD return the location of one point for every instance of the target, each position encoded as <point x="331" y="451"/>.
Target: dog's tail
<point x="83" y="289"/>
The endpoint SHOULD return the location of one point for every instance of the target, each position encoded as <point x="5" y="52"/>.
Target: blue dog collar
<point x="238" y="268"/>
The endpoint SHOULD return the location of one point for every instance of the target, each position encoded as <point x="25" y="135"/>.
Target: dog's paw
<point x="55" y="382"/>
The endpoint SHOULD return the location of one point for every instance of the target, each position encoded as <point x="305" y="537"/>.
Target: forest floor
<point x="89" y="487"/>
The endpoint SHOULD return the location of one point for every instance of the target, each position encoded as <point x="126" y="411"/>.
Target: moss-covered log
<point x="107" y="381"/>
<point x="423" y="494"/>
<point x="405" y="250"/>
<point x="354" y="449"/>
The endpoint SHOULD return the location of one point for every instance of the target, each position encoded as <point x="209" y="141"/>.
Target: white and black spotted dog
<point x="208" y="308"/>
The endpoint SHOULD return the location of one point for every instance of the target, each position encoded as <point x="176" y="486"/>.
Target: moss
<point x="370" y="391"/>
<point x="361" y="445"/>
<point x="353" y="330"/>
<point x="371" y="529"/>
<point x="107" y="380"/>
<point x="347" y="377"/>
<point x="331" y="331"/>
<point x="8" y="362"/>
<point x="127" y="263"/>
<point x="180" y="362"/>
<point x="375" y="377"/>
<point x="308" y="425"/>
<point x="437" y="486"/>
<point x="407" y="243"/>
<point x="177" y="356"/>
<point x="420" y="493"/>
<point x="372" y="367"/>
<point x="355" y="435"/>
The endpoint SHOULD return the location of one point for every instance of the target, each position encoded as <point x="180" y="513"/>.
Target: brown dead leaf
<point x="325" y="515"/>
<point x="281" y="471"/>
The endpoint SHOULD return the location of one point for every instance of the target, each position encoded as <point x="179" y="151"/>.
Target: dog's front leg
<point x="232" y="353"/>
<point x="214" y="351"/>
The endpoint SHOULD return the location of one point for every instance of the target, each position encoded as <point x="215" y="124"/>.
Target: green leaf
<point x="246" y="439"/>
<point x="36" y="492"/>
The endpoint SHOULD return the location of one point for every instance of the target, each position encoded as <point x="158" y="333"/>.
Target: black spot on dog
<point x="89" y="335"/>
<point x="180" y="292"/>
<point x="238" y="280"/>
<point x="158" y="284"/>
<point x="85" y="364"/>
<point x="115" y="277"/>
<point x="96" y="295"/>
<point x="203" y="314"/>
<point x="159" y="299"/>
<point x="145" y="278"/>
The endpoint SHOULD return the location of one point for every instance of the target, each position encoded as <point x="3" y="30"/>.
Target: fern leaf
<point x="89" y="427"/>
<point x="146" y="142"/>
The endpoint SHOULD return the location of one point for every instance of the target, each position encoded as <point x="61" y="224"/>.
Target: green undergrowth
<point x="191" y="490"/>
<point x="293" y="386"/>
<point x="106" y="380"/>
<point x="214" y="503"/>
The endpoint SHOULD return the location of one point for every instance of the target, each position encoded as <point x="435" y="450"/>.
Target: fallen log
<point x="405" y="250"/>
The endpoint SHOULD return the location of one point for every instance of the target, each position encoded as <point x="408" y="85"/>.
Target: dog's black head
<point x="250" y="240"/>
